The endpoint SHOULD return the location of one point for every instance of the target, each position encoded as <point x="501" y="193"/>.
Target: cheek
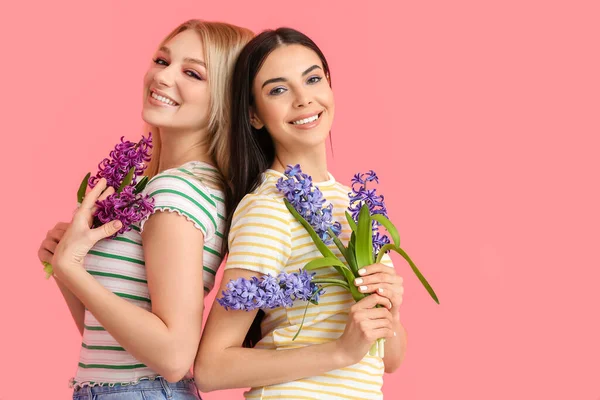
<point x="273" y="112"/>
<point x="148" y="78"/>
<point x="197" y="94"/>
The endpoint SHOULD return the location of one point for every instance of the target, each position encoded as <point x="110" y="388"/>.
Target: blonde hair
<point x="222" y="44"/>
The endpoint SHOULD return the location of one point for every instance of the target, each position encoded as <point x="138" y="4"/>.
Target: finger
<point x="90" y="198"/>
<point x="371" y="324"/>
<point x="62" y="226"/>
<point x="374" y="268"/>
<point x="372" y="314"/>
<point x="382" y="333"/>
<point x="45" y="256"/>
<point x="106" y="230"/>
<point x="55" y="234"/>
<point x="375" y="279"/>
<point x="371" y="301"/>
<point x="110" y="190"/>
<point x="49" y="245"/>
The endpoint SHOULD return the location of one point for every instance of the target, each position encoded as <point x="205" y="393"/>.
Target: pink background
<point x="482" y="119"/>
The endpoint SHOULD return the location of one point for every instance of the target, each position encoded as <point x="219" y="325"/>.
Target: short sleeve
<point x="260" y="235"/>
<point x="387" y="260"/>
<point x="175" y="191"/>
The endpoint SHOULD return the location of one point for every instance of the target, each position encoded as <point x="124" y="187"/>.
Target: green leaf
<point x="82" y="188"/>
<point x="351" y="222"/>
<point x="352" y="256"/>
<point x="364" y="238"/>
<point x="387" y="224"/>
<point x="333" y="281"/>
<point x="326" y="252"/>
<point x="316" y="239"/>
<point x="417" y="273"/>
<point x="339" y="245"/>
<point x="383" y="250"/>
<point x="324" y="262"/>
<point x="141" y="185"/>
<point x="127" y="180"/>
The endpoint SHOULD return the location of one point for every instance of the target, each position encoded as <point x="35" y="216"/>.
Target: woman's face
<point x="293" y="99"/>
<point x="176" y="90"/>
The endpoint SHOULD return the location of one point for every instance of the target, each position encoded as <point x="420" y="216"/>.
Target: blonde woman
<point x="137" y="299"/>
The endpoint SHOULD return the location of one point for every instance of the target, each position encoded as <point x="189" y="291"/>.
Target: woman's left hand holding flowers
<point x="383" y="280"/>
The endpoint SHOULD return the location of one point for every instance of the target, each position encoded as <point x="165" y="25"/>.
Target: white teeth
<point x="163" y="99"/>
<point x="306" y="120"/>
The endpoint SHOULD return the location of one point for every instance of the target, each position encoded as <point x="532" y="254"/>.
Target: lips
<point x="163" y="98"/>
<point x="306" y="119"/>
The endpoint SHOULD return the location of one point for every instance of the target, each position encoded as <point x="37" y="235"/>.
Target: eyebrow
<point x="273" y="80"/>
<point x="187" y="59"/>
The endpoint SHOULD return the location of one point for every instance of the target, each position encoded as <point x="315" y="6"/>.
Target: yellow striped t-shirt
<point x="266" y="238"/>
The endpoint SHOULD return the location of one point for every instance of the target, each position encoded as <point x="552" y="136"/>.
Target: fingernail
<point x="380" y="290"/>
<point x="363" y="288"/>
<point x="362" y="271"/>
<point x="358" y="281"/>
<point x="395" y="334"/>
<point x="117" y="224"/>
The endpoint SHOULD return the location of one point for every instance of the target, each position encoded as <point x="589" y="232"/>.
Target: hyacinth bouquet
<point x="366" y="215"/>
<point x="121" y="170"/>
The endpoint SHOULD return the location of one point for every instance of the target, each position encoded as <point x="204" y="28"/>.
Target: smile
<point x="307" y="120"/>
<point x="163" y="99"/>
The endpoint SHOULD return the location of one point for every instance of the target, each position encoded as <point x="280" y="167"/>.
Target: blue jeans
<point x="158" y="389"/>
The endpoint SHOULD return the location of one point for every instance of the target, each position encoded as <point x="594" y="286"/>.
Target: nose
<point x="303" y="99"/>
<point x="164" y="77"/>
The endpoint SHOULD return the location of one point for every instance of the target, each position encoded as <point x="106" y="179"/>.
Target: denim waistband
<point x="144" y="384"/>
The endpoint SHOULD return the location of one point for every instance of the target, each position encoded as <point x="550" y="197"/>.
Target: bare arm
<point x="221" y="347"/>
<point x="165" y="339"/>
<point x="45" y="253"/>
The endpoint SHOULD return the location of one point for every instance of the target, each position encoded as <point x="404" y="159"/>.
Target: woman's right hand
<point x="365" y="325"/>
<point x="46" y="250"/>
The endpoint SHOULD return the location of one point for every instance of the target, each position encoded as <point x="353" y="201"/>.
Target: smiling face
<point x="176" y="90"/>
<point x="293" y="99"/>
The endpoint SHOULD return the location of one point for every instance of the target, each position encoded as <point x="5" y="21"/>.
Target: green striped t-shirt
<point x="118" y="264"/>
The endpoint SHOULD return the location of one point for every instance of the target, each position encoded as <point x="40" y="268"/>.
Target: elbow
<point x="175" y="374"/>
<point x="391" y="367"/>
<point x="204" y="380"/>
<point x="175" y="368"/>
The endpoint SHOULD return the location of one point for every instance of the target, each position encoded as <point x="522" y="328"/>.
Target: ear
<point x="255" y="120"/>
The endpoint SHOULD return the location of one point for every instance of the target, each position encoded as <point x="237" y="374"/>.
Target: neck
<point x="312" y="161"/>
<point x="180" y="147"/>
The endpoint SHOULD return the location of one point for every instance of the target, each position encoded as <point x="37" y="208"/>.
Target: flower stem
<point x="339" y="244"/>
<point x="306" y="309"/>
<point x="48" y="269"/>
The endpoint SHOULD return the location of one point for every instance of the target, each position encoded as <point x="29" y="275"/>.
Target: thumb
<point x="106" y="230"/>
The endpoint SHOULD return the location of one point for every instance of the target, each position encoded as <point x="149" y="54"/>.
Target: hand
<point x="384" y="281"/>
<point x="365" y="325"/>
<point x="46" y="250"/>
<point x="79" y="238"/>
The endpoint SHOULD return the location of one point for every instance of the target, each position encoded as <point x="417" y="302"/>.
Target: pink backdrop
<point x="482" y="119"/>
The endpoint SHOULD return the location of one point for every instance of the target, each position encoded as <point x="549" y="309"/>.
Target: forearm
<point x="76" y="308"/>
<point x="142" y="333"/>
<point x="261" y="367"/>
<point x="395" y="348"/>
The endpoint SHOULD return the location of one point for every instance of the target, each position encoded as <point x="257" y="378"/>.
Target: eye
<point x="277" y="91"/>
<point x="160" y="61"/>
<point x="314" y="79"/>
<point x="193" y="74"/>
